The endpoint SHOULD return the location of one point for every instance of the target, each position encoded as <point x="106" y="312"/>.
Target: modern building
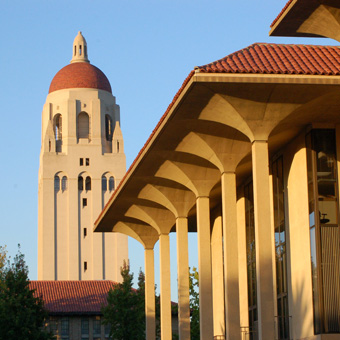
<point x="247" y="155"/>
<point x="81" y="161"/>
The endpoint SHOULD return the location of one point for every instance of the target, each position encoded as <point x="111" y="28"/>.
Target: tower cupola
<point x="79" y="53"/>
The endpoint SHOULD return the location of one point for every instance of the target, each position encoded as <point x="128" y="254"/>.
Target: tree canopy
<point x="125" y="310"/>
<point x="22" y="315"/>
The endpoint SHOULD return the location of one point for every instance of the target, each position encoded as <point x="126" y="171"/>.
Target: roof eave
<point x="288" y="23"/>
<point x="99" y="224"/>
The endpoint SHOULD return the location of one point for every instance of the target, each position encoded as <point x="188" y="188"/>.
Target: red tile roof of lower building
<point x="73" y="297"/>
<point x="279" y="59"/>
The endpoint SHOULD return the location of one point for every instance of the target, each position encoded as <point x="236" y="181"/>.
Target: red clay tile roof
<point x="279" y="59"/>
<point x="73" y="297"/>
<point x="280" y="14"/>
<point x="80" y="75"/>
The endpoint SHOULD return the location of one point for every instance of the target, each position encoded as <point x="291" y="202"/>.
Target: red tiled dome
<point x="80" y="75"/>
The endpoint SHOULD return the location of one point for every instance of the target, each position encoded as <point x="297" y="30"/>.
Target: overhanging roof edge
<point x="168" y="113"/>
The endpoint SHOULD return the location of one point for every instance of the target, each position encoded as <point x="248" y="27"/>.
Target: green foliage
<point x="194" y="304"/>
<point x="3" y="255"/>
<point x="22" y="316"/>
<point x="125" y="311"/>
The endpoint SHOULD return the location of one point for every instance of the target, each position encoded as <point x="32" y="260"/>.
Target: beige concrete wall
<point x="62" y="247"/>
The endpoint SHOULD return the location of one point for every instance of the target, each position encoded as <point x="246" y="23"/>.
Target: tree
<point x="194" y="304"/>
<point x="125" y="311"/>
<point x="22" y="315"/>
<point x="3" y="254"/>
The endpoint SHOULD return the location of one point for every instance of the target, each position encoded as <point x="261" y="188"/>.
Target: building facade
<point x="248" y="156"/>
<point x="81" y="162"/>
<point x="74" y="308"/>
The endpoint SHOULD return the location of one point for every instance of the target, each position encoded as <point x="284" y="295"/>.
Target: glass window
<point x="324" y="229"/>
<point x="64" y="183"/>
<point x="64" y="327"/>
<point x="280" y="249"/>
<point x="56" y="183"/>
<point x="104" y="183"/>
<point x="88" y="183"/>
<point x="111" y="183"/>
<point x="85" y="326"/>
<point x="97" y="327"/>
<point x="80" y="183"/>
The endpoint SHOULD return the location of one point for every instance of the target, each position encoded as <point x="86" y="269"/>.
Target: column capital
<point x="259" y="141"/>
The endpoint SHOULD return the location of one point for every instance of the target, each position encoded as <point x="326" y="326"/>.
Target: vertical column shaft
<point x="183" y="278"/>
<point x="165" y="286"/>
<point x="150" y="307"/>
<point x="231" y="274"/>
<point x="263" y="239"/>
<point x="217" y="277"/>
<point x="204" y="268"/>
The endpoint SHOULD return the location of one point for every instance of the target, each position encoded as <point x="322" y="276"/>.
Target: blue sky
<point x="145" y="48"/>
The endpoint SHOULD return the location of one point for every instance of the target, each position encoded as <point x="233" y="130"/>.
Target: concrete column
<point x="231" y="275"/>
<point x="150" y="305"/>
<point x="263" y="239"/>
<point x="242" y="260"/>
<point x="183" y="278"/>
<point x="217" y="276"/>
<point x="165" y="286"/>
<point x="204" y="268"/>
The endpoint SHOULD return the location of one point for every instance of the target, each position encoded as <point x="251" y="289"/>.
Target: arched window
<point x="108" y="128"/>
<point x="83" y="125"/>
<point x="64" y="183"/>
<point x="80" y="183"/>
<point x="56" y="183"/>
<point x="58" y="131"/>
<point x="104" y="183"/>
<point x="111" y="183"/>
<point x="58" y="127"/>
<point x="88" y="183"/>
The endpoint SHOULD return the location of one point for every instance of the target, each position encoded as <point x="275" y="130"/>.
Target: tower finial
<point x="79" y="53"/>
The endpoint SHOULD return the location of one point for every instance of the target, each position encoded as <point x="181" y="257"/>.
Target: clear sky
<point x="145" y="48"/>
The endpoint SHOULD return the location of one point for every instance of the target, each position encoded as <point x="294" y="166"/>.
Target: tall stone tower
<point x="81" y="162"/>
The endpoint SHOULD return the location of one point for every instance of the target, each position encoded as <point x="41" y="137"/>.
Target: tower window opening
<point x="80" y="49"/>
<point x="56" y="183"/>
<point x="108" y="128"/>
<point x="117" y="146"/>
<point x="88" y="183"/>
<point x="49" y="146"/>
<point x="84" y="202"/>
<point x="85" y="232"/>
<point x="87" y="161"/>
<point x="104" y="183"/>
<point x="58" y="128"/>
<point x="80" y="183"/>
<point x="64" y="183"/>
<point x="83" y="125"/>
<point x="85" y="266"/>
<point x="75" y="50"/>
<point x="81" y="161"/>
<point x="111" y="183"/>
